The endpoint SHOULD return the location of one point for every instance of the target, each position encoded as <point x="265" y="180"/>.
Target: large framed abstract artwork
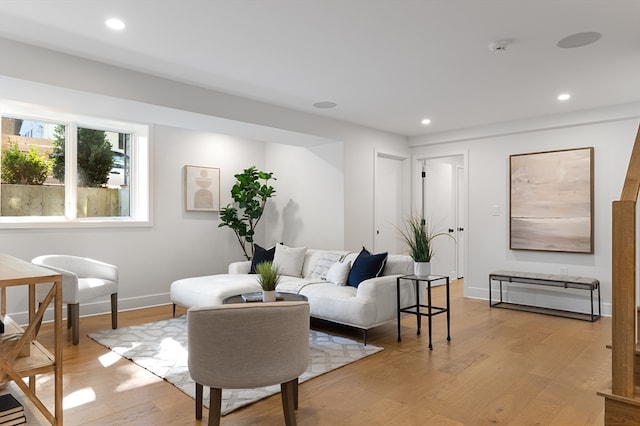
<point x="551" y="201"/>
<point x="201" y="188"/>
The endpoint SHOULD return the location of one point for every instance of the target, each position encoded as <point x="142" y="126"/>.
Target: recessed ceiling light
<point x="564" y="97"/>
<point x="426" y="121"/>
<point x="579" y="40"/>
<point x="325" y="104"/>
<point x="115" y="24"/>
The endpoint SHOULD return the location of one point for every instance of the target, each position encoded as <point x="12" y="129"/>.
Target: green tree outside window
<point x="95" y="157"/>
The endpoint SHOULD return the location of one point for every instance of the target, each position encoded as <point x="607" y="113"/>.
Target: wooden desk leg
<point x="3" y="301"/>
<point x="58" y="352"/>
<point x="32" y="310"/>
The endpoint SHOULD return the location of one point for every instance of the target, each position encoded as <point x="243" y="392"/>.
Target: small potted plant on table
<point x="268" y="278"/>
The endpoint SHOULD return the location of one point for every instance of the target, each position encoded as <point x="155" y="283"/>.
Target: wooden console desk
<point x="15" y="272"/>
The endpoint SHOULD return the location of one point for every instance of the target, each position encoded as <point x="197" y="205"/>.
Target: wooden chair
<point x="83" y="279"/>
<point x="245" y="346"/>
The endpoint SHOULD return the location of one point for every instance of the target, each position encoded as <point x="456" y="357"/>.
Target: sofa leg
<point x="199" y="390"/>
<point x="69" y="320"/>
<point x="215" y="406"/>
<point x="174" y="310"/>
<point x="287" y="391"/>
<point x="114" y="310"/>
<point x="74" y="319"/>
<point x="364" y="335"/>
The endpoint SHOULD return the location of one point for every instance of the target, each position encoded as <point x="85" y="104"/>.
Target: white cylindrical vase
<point x="422" y="269"/>
<point x="269" y="296"/>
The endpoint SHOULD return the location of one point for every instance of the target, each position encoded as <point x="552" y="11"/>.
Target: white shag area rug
<point x="161" y="348"/>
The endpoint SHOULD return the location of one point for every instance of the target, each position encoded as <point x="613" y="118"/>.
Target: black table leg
<point x="398" y="305"/>
<point x="418" y="316"/>
<point x="429" y="311"/>
<point x="448" y="313"/>
<point x="592" y="318"/>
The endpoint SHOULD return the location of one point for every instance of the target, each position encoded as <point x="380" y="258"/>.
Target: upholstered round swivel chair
<point x="245" y="346"/>
<point x="83" y="279"/>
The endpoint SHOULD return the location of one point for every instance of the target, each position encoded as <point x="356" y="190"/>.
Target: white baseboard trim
<point x="101" y="307"/>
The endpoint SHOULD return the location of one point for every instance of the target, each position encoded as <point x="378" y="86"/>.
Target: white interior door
<point x="389" y="190"/>
<point x="440" y="214"/>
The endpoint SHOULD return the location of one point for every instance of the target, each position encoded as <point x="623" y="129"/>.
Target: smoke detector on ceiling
<point x="498" y="46"/>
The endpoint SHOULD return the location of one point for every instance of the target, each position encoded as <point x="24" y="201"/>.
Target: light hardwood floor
<point x="501" y="367"/>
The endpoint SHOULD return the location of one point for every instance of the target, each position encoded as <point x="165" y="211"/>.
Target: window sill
<point x="63" y="223"/>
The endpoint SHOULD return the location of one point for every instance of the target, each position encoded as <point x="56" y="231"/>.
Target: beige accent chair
<point x="83" y="279"/>
<point x="245" y="346"/>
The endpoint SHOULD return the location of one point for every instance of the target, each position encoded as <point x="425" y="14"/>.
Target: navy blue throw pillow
<point x="366" y="266"/>
<point x="260" y="255"/>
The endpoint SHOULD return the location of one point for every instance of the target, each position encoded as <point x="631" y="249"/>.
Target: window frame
<point x="139" y="172"/>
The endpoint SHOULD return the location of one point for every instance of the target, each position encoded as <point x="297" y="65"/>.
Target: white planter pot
<point x="269" y="296"/>
<point x="422" y="269"/>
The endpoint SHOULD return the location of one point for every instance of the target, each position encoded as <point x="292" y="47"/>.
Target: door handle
<point x="460" y="229"/>
<point x="451" y="230"/>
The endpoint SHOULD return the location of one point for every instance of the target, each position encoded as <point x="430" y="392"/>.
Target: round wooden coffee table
<point x="257" y="297"/>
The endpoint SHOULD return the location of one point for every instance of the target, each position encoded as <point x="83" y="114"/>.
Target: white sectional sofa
<point x="371" y="303"/>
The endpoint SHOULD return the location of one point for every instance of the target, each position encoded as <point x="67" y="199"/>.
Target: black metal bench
<point x="563" y="281"/>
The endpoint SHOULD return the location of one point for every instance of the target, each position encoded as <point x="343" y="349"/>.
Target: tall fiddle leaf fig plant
<point x="250" y="194"/>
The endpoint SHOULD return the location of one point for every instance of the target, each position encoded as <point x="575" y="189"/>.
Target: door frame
<point x="406" y="185"/>
<point x="416" y="197"/>
<point x="461" y="192"/>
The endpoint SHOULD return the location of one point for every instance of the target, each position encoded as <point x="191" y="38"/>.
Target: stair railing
<point x="623" y="280"/>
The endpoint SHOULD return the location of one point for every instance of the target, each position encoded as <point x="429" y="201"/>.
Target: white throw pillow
<point x="339" y="272"/>
<point x="322" y="265"/>
<point x="289" y="260"/>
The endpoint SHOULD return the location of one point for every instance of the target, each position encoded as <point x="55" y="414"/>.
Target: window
<point x="58" y="169"/>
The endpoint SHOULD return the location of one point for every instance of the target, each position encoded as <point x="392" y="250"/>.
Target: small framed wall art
<point x="201" y="188"/>
<point x="551" y="201"/>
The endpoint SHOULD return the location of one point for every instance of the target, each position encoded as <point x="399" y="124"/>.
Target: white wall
<point x="194" y="237"/>
<point x="488" y="186"/>
<point x="181" y="244"/>
<point x="309" y="203"/>
<point x="187" y="244"/>
<point x="359" y="180"/>
<point x="178" y="244"/>
<point x="318" y="161"/>
<point x="193" y="107"/>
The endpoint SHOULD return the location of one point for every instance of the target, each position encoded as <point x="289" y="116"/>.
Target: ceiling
<point x="386" y="63"/>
